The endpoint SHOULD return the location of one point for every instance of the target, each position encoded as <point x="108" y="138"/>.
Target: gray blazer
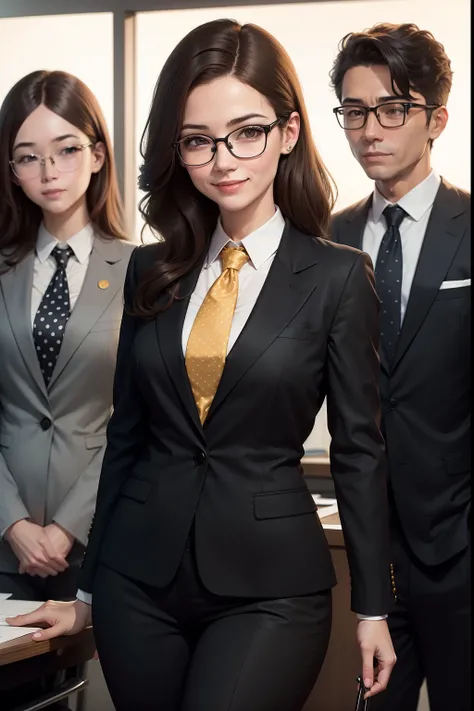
<point x="52" y="440"/>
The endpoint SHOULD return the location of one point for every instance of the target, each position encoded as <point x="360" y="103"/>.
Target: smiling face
<point x="242" y="187"/>
<point x="56" y="189"/>
<point x="390" y="156"/>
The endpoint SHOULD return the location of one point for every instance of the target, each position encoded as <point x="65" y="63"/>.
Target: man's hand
<point x="58" y="617"/>
<point x="34" y="549"/>
<point x="375" y="642"/>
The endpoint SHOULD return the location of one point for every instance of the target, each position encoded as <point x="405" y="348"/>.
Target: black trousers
<point x="26" y="587"/>
<point x="430" y="628"/>
<point x="185" y="649"/>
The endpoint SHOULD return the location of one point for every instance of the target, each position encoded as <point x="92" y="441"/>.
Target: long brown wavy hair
<point x="71" y="99"/>
<point x="172" y="207"/>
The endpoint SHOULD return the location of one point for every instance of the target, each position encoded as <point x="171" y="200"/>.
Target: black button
<point x="45" y="423"/>
<point x="393" y="404"/>
<point x="199" y="458"/>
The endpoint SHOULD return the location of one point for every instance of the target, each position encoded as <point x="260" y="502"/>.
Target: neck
<point x="393" y="190"/>
<point x="67" y="224"/>
<point x="238" y="225"/>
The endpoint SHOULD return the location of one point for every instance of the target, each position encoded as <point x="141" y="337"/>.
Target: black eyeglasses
<point x="390" y="114"/>
<point x="198" y="149"/>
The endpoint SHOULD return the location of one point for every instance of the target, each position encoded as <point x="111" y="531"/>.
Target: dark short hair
<point x="172" y="206"/>
<point x="417" y="62"/>
<point x="70" y="98"/>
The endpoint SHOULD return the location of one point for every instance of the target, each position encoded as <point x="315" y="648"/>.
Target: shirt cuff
<point x="84" y="597"/>
<point x="372" y="617"/>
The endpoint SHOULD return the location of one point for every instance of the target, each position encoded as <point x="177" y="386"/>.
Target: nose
<point x="372" y="129"/>
<point x="223" y="159"/>
<point x="48" y="169"/>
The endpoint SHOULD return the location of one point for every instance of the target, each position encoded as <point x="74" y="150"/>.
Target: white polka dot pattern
<point x="207" y="344"/>
<point x="52" y="315"/>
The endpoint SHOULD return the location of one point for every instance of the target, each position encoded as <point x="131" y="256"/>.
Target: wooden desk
<point x="23" y="660"/>
<point x="316" y="466"/>
<point x="336" y="688"/>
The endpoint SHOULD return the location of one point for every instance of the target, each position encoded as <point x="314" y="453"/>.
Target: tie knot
<point x="62" y="255"/>
<point x="394" y="215"/>
<point x="234" y="258"/>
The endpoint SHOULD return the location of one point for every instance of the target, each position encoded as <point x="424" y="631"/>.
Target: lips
<point x="52" y="193"/>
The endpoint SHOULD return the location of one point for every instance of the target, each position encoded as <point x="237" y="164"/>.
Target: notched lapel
<point x="443" y="236"/>
<point x="290" y="282"/>
<point x="17" y="285"/>
<point x="92" y="300"/>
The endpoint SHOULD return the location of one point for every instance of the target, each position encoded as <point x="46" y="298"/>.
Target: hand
<point x="375" y="641"/>
<point x="34" y="550"/>
<point x="61" y="539"/>
<point x="66" y="618"/>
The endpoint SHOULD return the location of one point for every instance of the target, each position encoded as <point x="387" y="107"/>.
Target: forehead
<point x="369" y="84"/>
<point x="43" y="126"/>
<point x="221" y="100"/>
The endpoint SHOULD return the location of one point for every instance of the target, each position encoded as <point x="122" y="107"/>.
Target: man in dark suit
<point x="392" y="83"/>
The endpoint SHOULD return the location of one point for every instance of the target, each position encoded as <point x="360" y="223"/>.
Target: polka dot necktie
<point x="52" y="315"/>
<point x="206" y="350"/>
<point x="388" y="279"/>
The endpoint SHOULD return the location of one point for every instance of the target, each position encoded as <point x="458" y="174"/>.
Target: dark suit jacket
<point x="426" y="391"/>
<point x="312" y="332"/>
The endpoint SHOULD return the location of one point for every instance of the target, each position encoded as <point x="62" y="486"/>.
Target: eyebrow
<point x="380" y="99"/>
<point x="229" y="124"/>
<point x="26" y="144"/>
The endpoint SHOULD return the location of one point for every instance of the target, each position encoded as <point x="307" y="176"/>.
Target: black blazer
<point x="313" y="332"/>
<point x="426" y="392"/>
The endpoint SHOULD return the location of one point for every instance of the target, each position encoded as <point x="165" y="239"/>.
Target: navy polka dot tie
<point x="52" y="315"/>
<point x="388" y="279"/>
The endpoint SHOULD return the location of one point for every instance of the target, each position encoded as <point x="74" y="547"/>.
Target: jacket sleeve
<point x="125" y="433"/>
<point x="357" y="452"/>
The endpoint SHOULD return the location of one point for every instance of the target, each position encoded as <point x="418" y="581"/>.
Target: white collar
<point x="81" y="243"/>
<point x="415" y="203"/>
<point x="260" y="245"/>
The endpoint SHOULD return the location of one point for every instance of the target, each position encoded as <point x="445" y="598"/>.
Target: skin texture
<point x="406" y="159"/>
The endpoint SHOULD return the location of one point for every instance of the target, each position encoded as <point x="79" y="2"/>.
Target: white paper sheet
<point x="8" y="633"/>
<point x="11" y="608"/>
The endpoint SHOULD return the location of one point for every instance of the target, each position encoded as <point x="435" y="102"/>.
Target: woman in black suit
<point x="209" y="571"/>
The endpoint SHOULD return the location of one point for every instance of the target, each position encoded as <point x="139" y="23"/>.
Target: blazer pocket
<point x="300" y="333"/>
<point x="136" y="489"/>
<point x="456" y="293"/>
<point x="280" y="504"/>
<point x="95" y="441"/>
<point x="457" y="463"/>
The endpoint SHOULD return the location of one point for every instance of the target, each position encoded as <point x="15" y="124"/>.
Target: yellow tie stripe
<point x="207" y="345"/>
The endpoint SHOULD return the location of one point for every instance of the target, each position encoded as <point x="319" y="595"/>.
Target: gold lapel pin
<point x="103" y="284"/>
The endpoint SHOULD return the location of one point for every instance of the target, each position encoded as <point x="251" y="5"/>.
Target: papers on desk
<point x="327" y="507"/>
<point x="10" y="608"/>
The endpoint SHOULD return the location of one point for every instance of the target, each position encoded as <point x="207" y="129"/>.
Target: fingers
<point x="55" y="560"/>
<point x="368" y="667"/>
<point x="30" y="619"/>
<point x="55" y="631"/>
<point x="381" y="682"/>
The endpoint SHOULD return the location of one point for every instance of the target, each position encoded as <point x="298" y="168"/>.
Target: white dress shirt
<point x="45" y="264"/>
<point x="261" y="246"/>
<point x="418" y="203"/>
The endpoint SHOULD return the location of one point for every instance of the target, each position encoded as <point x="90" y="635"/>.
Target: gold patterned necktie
<point x="206" y="350"/>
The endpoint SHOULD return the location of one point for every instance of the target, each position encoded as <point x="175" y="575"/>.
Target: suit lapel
<point x="92" y="300"/>
<point x="351" y="231"/>
<point x="17" y="285"/>
<point x="442" y="239"/>
<point x="169" y="327"/>
<point x="291" y="280"/>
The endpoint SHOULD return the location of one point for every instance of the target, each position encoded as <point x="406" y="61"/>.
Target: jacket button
<point x="45" y="423"/>
<point x="199" y="458"/>
<point x="393" y="404"/>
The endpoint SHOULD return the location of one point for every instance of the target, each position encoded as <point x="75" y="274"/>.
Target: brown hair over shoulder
<point x="172" y="206"/>
<point x="71" y="99"/>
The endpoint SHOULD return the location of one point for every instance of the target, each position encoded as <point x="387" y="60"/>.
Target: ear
<point x="98" y="156"/>
<point x="291" y="133"/>
<point x="438" y="121"/>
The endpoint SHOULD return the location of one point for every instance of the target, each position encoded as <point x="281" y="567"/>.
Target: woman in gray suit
<point x="63" y="258"/>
